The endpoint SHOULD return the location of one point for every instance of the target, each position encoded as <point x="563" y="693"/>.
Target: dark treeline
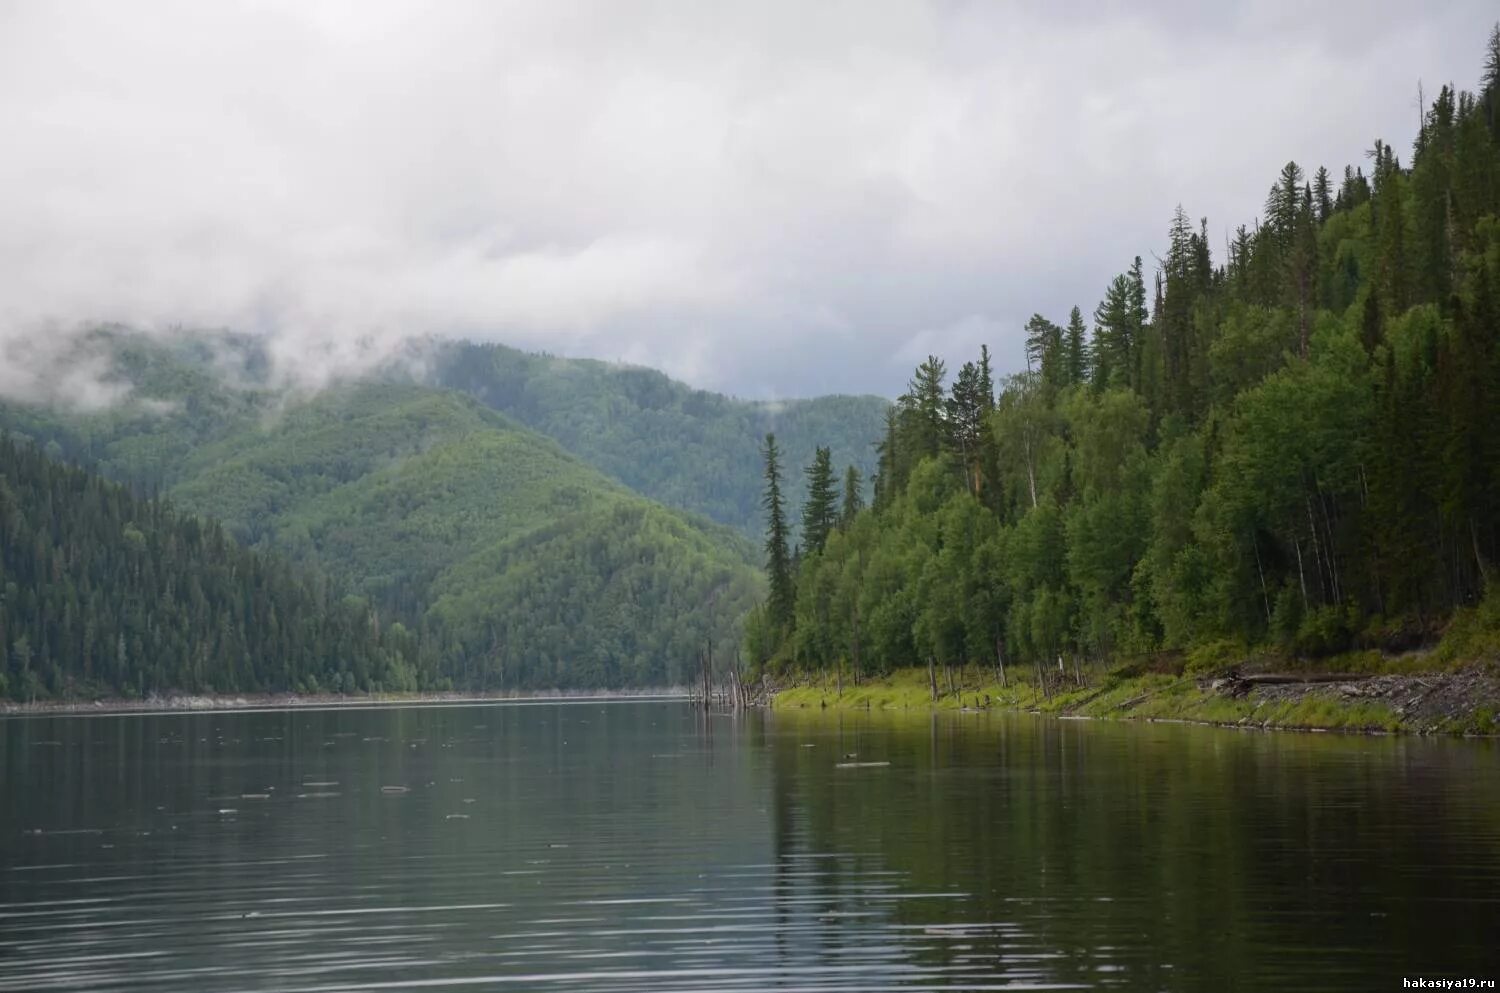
<point x="105" y="592"/>
<point x="1296" y="444"/>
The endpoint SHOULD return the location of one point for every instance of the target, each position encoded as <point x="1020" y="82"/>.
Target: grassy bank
<point x="1415" y="695"/>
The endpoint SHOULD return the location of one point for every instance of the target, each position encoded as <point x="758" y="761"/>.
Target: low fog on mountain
<point x="856" y="496"/>
<point x="773" y="199"/>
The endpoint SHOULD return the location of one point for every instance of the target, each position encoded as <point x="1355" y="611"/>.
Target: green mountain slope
<point x="171" y="397"/>
<point x="102" y="592"/>
<point x="440" y="512"/>
<point x="544" y="571"/>
<point x="687" y="448"/>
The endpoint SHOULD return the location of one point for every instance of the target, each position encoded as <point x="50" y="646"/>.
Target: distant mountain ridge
<point x="687" y="448"/>
<point x="526" y="563"/>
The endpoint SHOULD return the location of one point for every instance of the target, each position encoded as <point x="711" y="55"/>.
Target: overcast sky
<point x="766" y="198"/>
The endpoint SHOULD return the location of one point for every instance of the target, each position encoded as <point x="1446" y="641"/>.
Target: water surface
<point x="641" y="846"/>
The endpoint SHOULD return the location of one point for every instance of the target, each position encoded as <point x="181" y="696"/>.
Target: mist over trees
<point x="510" y="562"/>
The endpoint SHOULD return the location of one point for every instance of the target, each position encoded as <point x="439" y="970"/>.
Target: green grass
<point x="1151" y="696"/>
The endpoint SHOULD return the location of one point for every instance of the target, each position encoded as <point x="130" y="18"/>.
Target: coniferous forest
<point x="1291" y="442"/>
<point x="104" y="592"/>
<point x="508" y="562"/>
<point x="1287" y="442"/>
<point x="1147" y="642"/>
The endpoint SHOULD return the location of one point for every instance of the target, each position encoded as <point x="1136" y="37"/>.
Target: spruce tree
<point x="1322" y="194"/>
<point x="888" y="481"/>
<point x="1044" y="350"/>
<point x="1489" y="81"/>
<point x="1120" y="319"/>
<point x="854" y="497"/>
<point x="1076" y="348"/>
<point x="782" y="599"/>
<point x="966" y="411"/>
<point x="820" y="512"/>
<point x="986" y="379"/>
<point x="923" y="408"/>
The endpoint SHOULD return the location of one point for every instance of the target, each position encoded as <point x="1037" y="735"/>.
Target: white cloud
<point x="769" y="198"/>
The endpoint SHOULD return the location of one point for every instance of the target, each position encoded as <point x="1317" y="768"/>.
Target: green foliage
<point x="395" y="489"/>
<point x="690" y="449"/>
<point x="628" y="596"/>
<point x="1474" y="632"/>
<point x="820" y="511"/>
<point x="781" y="599"/>
<point x="103" y="592"/>
<point x="1297" y="451"/>
<point x="854" y="496"/>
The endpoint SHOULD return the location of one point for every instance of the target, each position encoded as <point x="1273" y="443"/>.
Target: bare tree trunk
<point x="1302" y="312"/>
<point x="854" y="645"/>
<point x="1301" y="575"/>
<point x="932" y="678"/>
<point x="1478" y="558"/>
<point x="1030" y="474"/>
<point x="948" y="671"/>
<point x="1264" y="597"/>
<point x="1317" y="555"/>
<point x="1312" y="525"/>
<point x="1000" y="660"/>
<point x="1333" y="559"/>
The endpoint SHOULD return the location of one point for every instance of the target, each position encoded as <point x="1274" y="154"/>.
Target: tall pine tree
<point x="854" y="497"/>
<point x="820" y="512"/>
<point x="782" y="599"/>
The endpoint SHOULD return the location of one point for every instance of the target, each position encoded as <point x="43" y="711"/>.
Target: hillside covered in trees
<point x="1295" y="446"/>
<point x="540" y="570"/>
<point x="689" y="449"/>
<point x="520" y="564"/>
<point x="103" y="592"/>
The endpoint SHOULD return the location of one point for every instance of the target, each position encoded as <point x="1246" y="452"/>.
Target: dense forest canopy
<point x="1296" y="443"/>
<point x="104" y="592"/>
<point x="1293" y="441"/>
<point x="519" y="564"/>
<point x="689" y="449"/>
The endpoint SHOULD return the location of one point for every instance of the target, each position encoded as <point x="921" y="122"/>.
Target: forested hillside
<point x="102" y="592"/>
<point x="686" y="448"/>
<point x="1296" y="445"/>
<point x="158" y="400"/>
<point x="395" y="489"/>
<point x="436" y="508"/>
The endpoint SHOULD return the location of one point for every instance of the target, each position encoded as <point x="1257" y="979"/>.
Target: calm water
<point x="639" y="846"/>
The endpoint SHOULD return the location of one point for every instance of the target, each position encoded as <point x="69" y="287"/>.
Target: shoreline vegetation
<point x="1368" y="695"/>
<point x="1259" y="488"/>
<point x="220" y="702"/>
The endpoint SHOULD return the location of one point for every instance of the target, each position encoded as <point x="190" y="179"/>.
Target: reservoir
<point x="646" y="846"/>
